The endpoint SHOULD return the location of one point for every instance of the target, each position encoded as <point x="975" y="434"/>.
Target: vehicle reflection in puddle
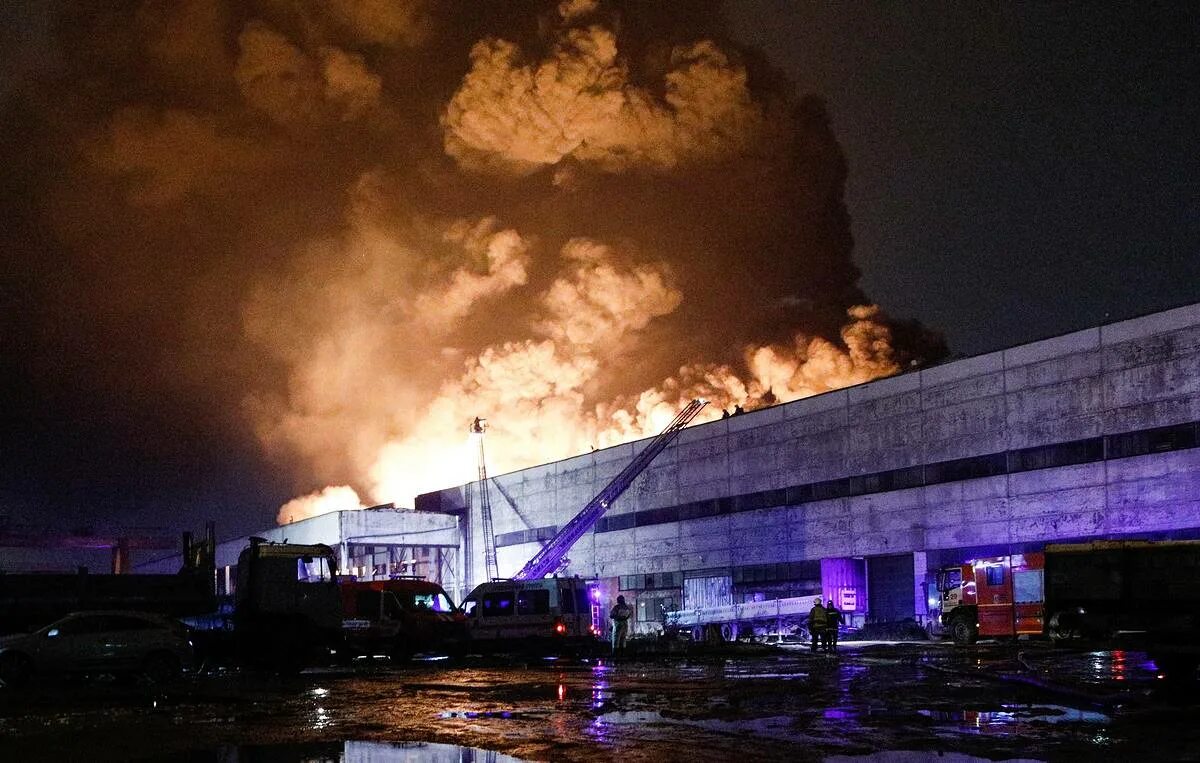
<point x="773" y="727"/>
<point x="357" y="752"/>
<point x="600" y="692"/>
<point x="839" y="714"/>
<point x="1010" y="715"/>
<point x="473" y="714"/>
<point x="1120" y="665"/>
<point x="320" y="720"/>
<point x="1098" y="668"/>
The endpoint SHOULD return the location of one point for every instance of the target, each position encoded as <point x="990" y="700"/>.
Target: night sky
<point x="1017" y="170"/>
<point x="1014" y="172"/>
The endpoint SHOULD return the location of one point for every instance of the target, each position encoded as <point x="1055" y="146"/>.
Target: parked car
<point x="112" y="642"/>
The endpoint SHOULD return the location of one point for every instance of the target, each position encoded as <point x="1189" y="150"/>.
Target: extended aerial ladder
<point x="485" y="505"/>
<point x="552" y="556"/>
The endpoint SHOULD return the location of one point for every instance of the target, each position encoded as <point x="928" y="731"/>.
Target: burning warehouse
<point x="324" y="238"/>
<point x="859" y="494"/>
<point x="862" y="494"/>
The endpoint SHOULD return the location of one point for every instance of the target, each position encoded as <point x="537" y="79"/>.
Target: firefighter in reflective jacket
<point x="817" y="623"/>
<point x="620" y="614"/>
<point x="833" y="619"/>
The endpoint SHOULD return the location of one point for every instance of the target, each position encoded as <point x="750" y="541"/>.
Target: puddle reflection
<point x="1009" y="715"/>
<point x="353" y="752"/>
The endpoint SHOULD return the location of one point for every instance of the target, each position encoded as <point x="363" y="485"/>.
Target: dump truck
<point x="286" y="612"/>
<point x="30" y="600"/>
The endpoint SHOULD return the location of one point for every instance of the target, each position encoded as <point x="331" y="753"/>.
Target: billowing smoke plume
<point x="356" y="226"/>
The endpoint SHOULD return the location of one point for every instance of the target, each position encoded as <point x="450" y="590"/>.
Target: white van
<point x="508" y="612"/>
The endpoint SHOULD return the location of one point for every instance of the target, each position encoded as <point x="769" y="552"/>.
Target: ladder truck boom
<point x="550" y="558"/>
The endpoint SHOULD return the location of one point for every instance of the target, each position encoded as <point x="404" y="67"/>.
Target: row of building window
<point x="752" y="573"/>
<point x="777" y="573"/>
<point x="651" y="581"/>
<point x="1090" y="450"/>
<point x="532" y="535"/>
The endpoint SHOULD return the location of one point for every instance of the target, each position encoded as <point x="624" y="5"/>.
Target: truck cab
<point x="999" y="596"/>
<point x="287" y="608"/>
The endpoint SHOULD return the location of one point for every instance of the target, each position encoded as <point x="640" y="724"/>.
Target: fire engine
<point x="398" y="617"/>
<point x="1141" y="593"/>
<point x="994" y="596"/>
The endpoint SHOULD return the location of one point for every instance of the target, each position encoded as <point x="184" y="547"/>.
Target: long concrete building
<point x="861" y="492"/>
<point x="858" y="494"/>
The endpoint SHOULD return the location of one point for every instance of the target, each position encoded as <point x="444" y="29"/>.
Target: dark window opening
<point x="498" y="604"/>
<point x="535" y="601"/>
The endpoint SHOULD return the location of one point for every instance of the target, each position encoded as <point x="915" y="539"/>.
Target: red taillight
<point x="560" y="628"/>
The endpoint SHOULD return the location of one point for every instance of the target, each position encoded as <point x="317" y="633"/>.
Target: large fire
<point x="533" y="392"/>
<point x="574" y="110"/>
<point x="374" y="221"/>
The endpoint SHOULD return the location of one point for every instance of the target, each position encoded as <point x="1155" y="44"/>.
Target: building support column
<point x="920" y="600"/>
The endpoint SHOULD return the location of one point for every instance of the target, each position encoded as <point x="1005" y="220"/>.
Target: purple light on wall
<point x="843" y="579"/>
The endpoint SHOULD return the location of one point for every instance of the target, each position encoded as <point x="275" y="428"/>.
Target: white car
<point x="112" y="642"/>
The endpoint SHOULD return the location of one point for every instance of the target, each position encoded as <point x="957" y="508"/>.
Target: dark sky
<point x="1015" y="171"/>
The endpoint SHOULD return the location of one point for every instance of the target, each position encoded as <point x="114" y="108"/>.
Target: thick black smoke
<point x="327" y="231"/>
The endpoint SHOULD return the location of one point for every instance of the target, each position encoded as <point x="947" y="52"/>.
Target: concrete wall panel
<point x="1054" y="371"/>
<point x="891" y="387"/>
<point x="1157" y="381"/>
<point x="979" y="366"/>
<point x="953" y="393"/>
<point x="876" y="408"/>
<point x="1055" y="347"/>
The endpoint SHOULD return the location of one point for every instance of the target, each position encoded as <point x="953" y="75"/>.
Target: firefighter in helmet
<point x="833" y="619"/>
<point x="818" y="621"/>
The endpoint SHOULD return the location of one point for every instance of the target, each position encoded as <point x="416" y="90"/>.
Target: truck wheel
<point x="1063" y="626"/>
<point x="697" y="633"/>
<point x="729" y="632"/>
<point x="964" y="632"/>
<point x="15" y="669"/>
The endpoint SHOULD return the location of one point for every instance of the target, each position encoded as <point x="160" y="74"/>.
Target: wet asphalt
<point x="874" y="701"/>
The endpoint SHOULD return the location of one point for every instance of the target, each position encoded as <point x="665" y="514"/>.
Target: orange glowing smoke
<point x="347" y="228"/>
<point x="382" y="388"/>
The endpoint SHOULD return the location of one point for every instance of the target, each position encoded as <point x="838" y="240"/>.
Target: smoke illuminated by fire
<point x="380" y="220"/>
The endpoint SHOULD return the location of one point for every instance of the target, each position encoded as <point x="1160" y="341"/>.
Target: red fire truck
<point x="995" y="596"/>
<point x="398" y="618"/>
<point x="1139" y="592"/>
